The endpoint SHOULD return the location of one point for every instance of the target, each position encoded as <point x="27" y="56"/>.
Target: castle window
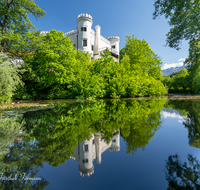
<point x="84" y="42"/>
<point x="86" y="147"/>
<point x="113" y="47"/>
<point x="92" y="47"/>
<point x="114" y="140"/>
<point x="83" y="29"/>
<point x="93" y="142"/>
<point x="85" y="160"/>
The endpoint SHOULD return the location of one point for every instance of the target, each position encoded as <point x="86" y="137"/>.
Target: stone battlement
<point x="113" y="37"/>
<point x="44" y="32"/>
<point x="70" y="32"/>
<point x="85" y="173"/>
<point x="84" y="15"/>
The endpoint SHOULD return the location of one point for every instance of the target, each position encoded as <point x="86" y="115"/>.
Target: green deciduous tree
<point x="50" y="70"/>
<point x="9" y="77"/>
<point x="179" y="83"/>
<point x="184" y="18"/>
<point x="15" y="24"/>
<point x="193" y="64"/>
<point x="57" y="70"/>
<point x="142" y="57"/>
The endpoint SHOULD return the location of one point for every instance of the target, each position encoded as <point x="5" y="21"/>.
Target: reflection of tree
<point x="192" y="122"/>
<point x="142" y="123"/>
<point x="17" y="157"/>
<point x="57" y="131"/>
<point x="182" y="176"/>
<point x="9" y="133"/>
<point x="141" y="131"/>
<point x="23" y="158"/>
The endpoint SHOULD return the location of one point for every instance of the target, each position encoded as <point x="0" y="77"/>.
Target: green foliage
<point x="196" y="82"/>
<point x="15" y="25"/>
<point x="50" y="69"/>
<point x="184" y="17"/>
<point x="141" y="56"/>
<point x="179" y="82"/>
<point x="193" y="64"/>
<point x="9" y="77"/>
<point x="57" y="70"/>
<point x="86" y="83"/>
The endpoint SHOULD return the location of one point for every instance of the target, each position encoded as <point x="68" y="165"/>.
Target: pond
<point x="108" y="144"/>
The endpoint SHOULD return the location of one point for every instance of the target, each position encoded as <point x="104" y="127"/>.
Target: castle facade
<point x="91" y="41"/>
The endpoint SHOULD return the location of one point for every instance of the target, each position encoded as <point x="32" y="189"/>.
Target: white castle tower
<point x="114" y="41"/>
<point x="98" y="148"/>
<point x="115" y="145"/>
<point x="86" y="167"/>
<point x="84" y="22"/>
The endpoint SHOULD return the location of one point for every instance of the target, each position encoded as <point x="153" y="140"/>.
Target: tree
<point x="15" y="24"/>
<point x="179" y="82"/>
<point x="50" y="70"/>
<point x="9" y="77"/>
<point x="142" y="57"/>
<point x="184" y="18"/>
<point x="193" y="64"/>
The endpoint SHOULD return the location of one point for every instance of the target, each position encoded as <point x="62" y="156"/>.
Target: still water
<point x="133" y="144"/>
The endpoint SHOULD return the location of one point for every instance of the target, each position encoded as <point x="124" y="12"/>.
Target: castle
<point x="91" y="41"/>
<point x="89" y="150"/>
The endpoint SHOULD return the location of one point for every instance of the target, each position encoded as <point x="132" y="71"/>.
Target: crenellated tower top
<point x="84" y="16"/>
<point x="85" y="173"/>
<point x="115" y="38"/>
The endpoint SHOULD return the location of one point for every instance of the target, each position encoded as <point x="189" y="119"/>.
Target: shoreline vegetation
<point x="57" y="71"/>
<point x="35" y="66"/>
<point x="33" y="105"/>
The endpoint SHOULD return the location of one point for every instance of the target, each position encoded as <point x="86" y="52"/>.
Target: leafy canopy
<point x="9" y="77"/>
<point x="15" y="25"/>
<point x="184" y="19"/>
<point x="142" y="57"/>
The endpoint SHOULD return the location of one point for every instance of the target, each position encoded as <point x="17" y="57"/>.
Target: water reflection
<point x="77" y="131"/>
<point x="89" y="150"/>
<point x="190" y="111"/>
<point x="183" y="176"/>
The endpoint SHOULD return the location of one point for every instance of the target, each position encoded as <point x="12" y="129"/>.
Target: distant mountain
<point x="171" y="70"/>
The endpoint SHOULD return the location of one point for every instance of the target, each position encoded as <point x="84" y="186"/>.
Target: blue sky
<point x="116" y="17"/>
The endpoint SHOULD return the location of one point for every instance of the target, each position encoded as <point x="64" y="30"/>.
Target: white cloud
<point x="180" y="121"/>
<point x="181" y="59"/>
<point x="167" y="66"/>
<point x="172" y="115"/>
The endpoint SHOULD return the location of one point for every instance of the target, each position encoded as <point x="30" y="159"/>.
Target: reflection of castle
<point x="89" y="150"/>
